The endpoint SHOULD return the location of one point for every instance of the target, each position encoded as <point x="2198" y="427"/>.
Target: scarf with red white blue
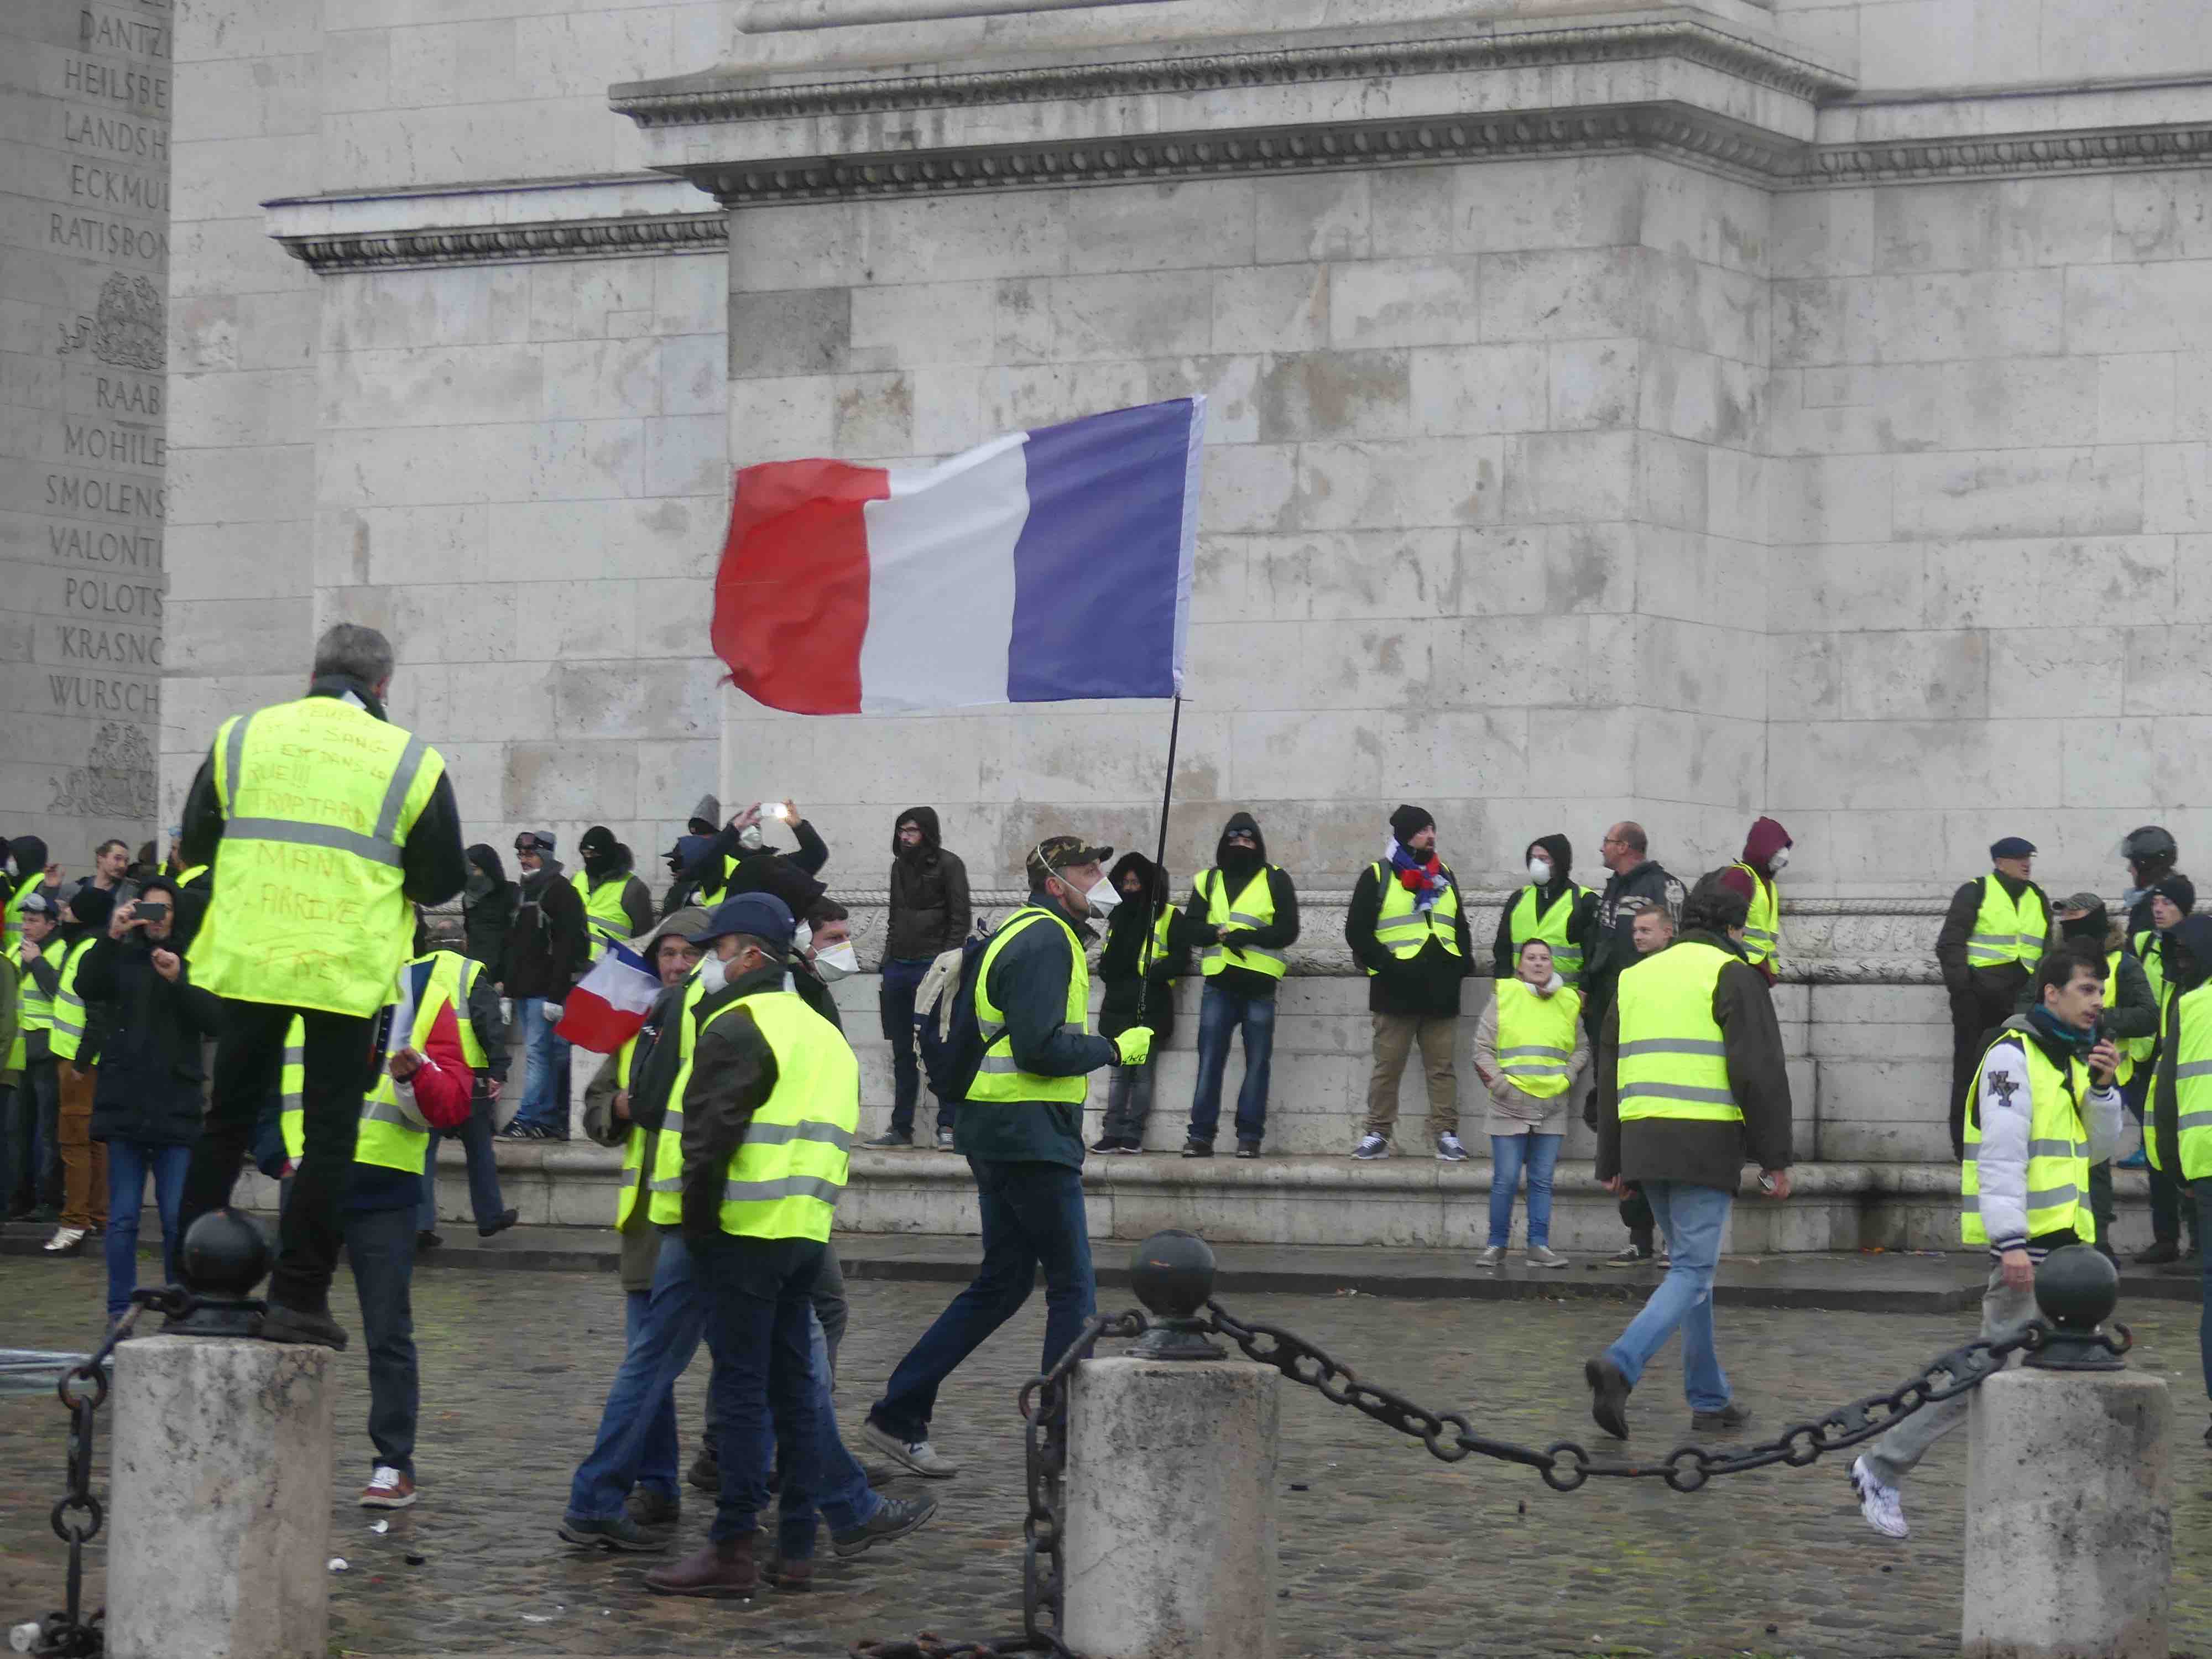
<point x="1421" y="875"/>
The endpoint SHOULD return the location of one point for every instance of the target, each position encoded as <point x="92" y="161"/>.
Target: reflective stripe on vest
<point x="1672" y="1061"/>
<point x="999" y="1076"/>
<point x="390" y="1136"/>
<point x="1551" y="927"/>
<point x="1403" y="928"/>
<point x="1762" y="928"/>
<point x="38" y="1013"/>
<point x="1536" y="1037"/>
<point x="665" y="1206"/>
<point x="603" y="907"/>
<point x="1253" y="908"/>
<point x="68" y="1028"/>
<point x="2057" y="1150"/>
<point x="635" y="1144"/>
<point x="191" y="873"/>
<point x="2150" y="951"/>
<point x="2006" y="932"/>
<point x="2126" y="1046"/>
<point x="785" y="1177"/>
<point x="318" y="797"/>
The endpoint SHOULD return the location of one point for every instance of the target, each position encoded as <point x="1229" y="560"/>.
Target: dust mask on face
<point x="713" y="974"/>
<point x="802" y="937"/>
<point x="1779" y="861"/>
<point x="1103" y="896"/>
<point x="1539" y="872"/>
<point x="750" y="838"/>
<point x="835" y="962"/>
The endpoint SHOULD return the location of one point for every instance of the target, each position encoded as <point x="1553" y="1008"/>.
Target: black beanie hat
<point x="2178" y="887"/>
<point x="1409" y="822"/>
<point x="92" y="906"/>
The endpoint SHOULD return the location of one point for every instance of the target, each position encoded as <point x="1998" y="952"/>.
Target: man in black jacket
<point x="1635" y="879"/>
<point x="1658" y="1125"/>
<point x="2150" y="854"/>
<point x="547" y="946"/>
<point x="1407" y="927"/>
<point x="1988" y="965"/>
<point x="1137" y="972"/>
<point x="1242" y="917"/>
<point x="928" y="916"/>
<point x="740" y="861"/>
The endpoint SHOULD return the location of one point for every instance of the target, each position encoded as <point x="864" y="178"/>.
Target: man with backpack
<point x="1021" y="1128"/>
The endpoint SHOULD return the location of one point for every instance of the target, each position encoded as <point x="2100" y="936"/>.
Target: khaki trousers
<point x="1395" y="1038"/>
<point x="84" y="1160"/>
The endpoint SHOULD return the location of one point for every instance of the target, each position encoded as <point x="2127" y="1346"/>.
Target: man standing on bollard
<point x="1020" y="1127"/>
<point x="2043" y="1109"/>
<point x="323" y="820"/>
<point x="1691" y="1087"/>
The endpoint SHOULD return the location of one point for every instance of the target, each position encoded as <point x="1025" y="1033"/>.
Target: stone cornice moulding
<point x="1907" y="160"/>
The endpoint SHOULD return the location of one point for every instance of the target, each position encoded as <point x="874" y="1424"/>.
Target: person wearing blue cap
<point x="1994" y="936"/>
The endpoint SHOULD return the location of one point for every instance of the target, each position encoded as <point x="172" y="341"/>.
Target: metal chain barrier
<point x="78" y="1515"/>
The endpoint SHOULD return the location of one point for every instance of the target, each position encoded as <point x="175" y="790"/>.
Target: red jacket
<point x="444" y="1084"/>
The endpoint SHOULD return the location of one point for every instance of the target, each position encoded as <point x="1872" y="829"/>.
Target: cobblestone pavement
<point x="1385" y="1552"/>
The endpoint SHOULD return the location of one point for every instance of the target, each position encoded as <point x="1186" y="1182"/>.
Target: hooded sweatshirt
<point x="1237" y="867"/>
<point x="1428" y="986"/>
<point x="1136" y="993"/>
<point x="929" y="906"/>
<point x="1767" y="837"/>
<point x="487" y="911"/>
<point x="609" y="860"/>
<point x="548" y="943"/>
<point x="1505" y="949"/>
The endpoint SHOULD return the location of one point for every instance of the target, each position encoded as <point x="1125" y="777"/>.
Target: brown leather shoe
<point x="725" y="1567"/>
<point x="792" y="1578"/>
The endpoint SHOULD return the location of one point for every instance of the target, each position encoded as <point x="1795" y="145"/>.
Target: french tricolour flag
<point x="608" y="1005"/>
<point x="1043" y="566"/>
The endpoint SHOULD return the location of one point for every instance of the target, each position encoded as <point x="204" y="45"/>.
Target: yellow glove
<point x="1134" y="1045"/>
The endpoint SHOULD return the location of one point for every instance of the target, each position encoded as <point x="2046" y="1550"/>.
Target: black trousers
<point x="1636" y="1213"/>
<point x="1986" y="1003"/>
<point x="337" y="1069"/>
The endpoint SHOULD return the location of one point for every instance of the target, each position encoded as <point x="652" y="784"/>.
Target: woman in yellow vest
<point x="1529" y="1049"/>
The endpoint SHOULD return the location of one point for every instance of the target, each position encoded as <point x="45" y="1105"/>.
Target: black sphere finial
<point x="225" y="1255"/>
<point x="2077" y="1289"/>
<point x="1172" y="1274"/>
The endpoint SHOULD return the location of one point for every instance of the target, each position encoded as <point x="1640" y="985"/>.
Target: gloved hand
<point x="1134" y="1045"/>
<point x="1235" y="939"/>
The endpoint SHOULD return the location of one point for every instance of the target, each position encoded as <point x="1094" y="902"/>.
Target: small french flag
<point x="609" y="1004"/>
<point x="1041" y="567"/>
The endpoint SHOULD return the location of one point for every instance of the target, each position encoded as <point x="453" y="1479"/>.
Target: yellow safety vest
<point x="1536" y="1037"/>
<point x="785" y="1178"/>
<point x="1253" y="908"/>
<point x="388" y="1137"/>
<point x="1672" y="1062"/>
<point x="1402" y="928"/>
<point x="318" y="797"/>
<point x="999" y="1076"/>
<point x="665" y="1207"/>
<point x="634" y="1146"/>
<point x="2057" y="1150"/>
<point x="2006" y="932"/>
<point x="603" y="907"/>
<point x="2192" y="1083"/>
<point x="192" y="873"/>
<point x="11" y="915"/>
<point x="1551" y="927"/>
<point x="2127" y="1046"/>
<point x="2151" y="952"/>
<point x="37" y="1006"/>
<point x="454" y="976"/>
<point x="1762" y="928"/>
<point x="68" y="1028"/>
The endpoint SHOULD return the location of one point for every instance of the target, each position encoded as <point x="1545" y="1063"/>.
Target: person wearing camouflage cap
<point x="1020" y="1127"/>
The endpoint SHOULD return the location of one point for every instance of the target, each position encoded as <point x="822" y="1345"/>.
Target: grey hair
<point x="361" y="653"/>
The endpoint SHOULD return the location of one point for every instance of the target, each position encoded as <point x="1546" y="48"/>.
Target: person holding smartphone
<point x="147" y="1100"/>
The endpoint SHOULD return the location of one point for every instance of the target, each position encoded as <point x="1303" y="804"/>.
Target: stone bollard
<point x="221" y="1481"/>
<point x="1170" y="1531"/>
<point x="2069" y="1494"/>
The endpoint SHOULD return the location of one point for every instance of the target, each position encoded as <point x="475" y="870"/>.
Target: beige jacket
<point x="1513" y="1110"/>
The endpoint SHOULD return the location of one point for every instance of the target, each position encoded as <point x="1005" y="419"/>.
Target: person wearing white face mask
<point x="1765" y="854"/>
<point x="822" y="953"/>
<point x="1553" y="907"/>
<point x="1020" y="1127"/>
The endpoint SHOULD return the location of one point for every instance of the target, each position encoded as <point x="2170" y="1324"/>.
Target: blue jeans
<point x="1508" y="1156"/>
<point x="380" y="1246"/>
<point x="662" y="1328"/>
<point x="485" y="1198"/>
<point x="1691" y="1219"/>
<point x="1219" y="1014"/>
<point x="129" y="1163"/>
<point x="902" y="978"/>
<point x="1032" y="1213"/>
<point x="545" y="1097"/>
<point x="768" y="1394"/>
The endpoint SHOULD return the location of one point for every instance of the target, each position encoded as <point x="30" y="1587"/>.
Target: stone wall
<point x="86" y="95"/>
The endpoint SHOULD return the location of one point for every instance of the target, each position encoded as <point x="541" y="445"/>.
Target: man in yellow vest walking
<point x="2042" y="1110"/>
<point x="1992" y="938"/>
<point x="1691" y="1087"/>
<point x="322" y="820"/>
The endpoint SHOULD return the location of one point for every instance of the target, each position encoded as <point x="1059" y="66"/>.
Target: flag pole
<point x="1160" y="853"/>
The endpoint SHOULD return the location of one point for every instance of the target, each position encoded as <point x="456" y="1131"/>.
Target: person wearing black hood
<point x="488" y="905"/>
<point x="1993" y="937"/>
<point x="692" y="844"/>
<point x="1138" y="971"/>
<point x="1242" y="918"/>
<point x="617" y="904"/>
<point x="1407" y="928"/>
<point x="26" y="872"/>
<point x="1553" y="907"/>
<point x="548" y="947"/>
<point x="740" y="861"/>
<point x="929" y="915"/>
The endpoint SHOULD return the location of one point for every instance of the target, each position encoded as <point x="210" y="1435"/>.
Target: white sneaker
<point x="1543" y="1255"/>
<point x="1880" y="1505"/>
<point x="1448" y="1150"/>
<point x="916" y="1455"/>
<point x="1372" y="1146"/>
<point x="66" y="1238"/>
<point x="1493" y="1257"/>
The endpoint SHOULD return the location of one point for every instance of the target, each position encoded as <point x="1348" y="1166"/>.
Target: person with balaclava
<point x="740" y="861"/>
<point x="698" y="835"/>
<point x="1137" y="971"/>
<point x="487" y="904"/>
<point x="548" y="949"/>
<point x="2150" y="854"/>
<point x="1553" y="907"/>
<point x="617" y="904"/>
<point x="2169" y="902"/>
<point x="1765" y="851"/>
<point x="1407" y="929"/>
<point x="1241" y="919"/>
<point x="1993" y="936"/>
<point x="2131" y="1020"/>
<point x="929" y="915"/>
